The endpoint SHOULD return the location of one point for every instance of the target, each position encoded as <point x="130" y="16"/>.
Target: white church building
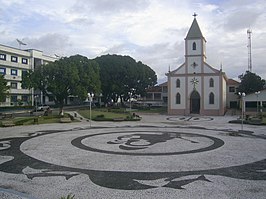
<point x="195" y="87"/>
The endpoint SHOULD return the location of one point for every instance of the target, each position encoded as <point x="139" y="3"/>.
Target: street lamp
<point x="257" y="94"/>
<point x="90" y="98"/>
<point x="242" y="95"/>
<point x="35" y="99"/>
<point x="130" y="95"/>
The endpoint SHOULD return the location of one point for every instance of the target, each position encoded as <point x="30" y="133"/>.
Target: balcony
<point x="20" y="91"/>
<point x="13" y="78"/>
<point x="14" y="64"/>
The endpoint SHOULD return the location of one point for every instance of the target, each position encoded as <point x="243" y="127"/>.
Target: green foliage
<point x="250" y="83"/>
<point x="3" y="88"/>
<point x="102" y="115"/>
<point x="75" y="75"/>
<point x="121" y="75"/>
<point x="69" y="196"/>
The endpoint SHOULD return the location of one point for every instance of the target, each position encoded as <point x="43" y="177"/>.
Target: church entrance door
<point x="195" y="102"/>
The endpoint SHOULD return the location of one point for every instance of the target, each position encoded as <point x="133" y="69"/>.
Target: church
<point x="195" y="87"/>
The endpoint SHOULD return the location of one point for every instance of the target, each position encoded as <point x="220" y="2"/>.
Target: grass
<point x="103" y="114"/>
<point x="159" y="110"/>
<point x="21" y="121"/>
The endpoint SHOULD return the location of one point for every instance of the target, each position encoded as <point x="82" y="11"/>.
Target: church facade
<point x="195" y="87"/>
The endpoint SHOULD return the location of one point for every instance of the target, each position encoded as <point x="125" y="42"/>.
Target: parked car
<point x="42" y="107"/>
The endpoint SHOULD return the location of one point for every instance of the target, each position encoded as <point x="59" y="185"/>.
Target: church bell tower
<point x="195" y="48"/>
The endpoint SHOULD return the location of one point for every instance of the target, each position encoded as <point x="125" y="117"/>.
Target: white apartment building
<point x="14" y="63"/>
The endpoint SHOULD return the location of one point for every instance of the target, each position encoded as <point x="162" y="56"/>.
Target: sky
<point x="150" y="31"/>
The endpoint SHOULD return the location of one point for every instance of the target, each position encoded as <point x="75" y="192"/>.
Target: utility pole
<point x="249" y="50"/>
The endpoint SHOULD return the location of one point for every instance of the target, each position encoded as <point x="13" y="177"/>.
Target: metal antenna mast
<point x="249" y="51"/>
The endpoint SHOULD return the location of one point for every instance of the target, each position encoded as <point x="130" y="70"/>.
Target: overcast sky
<point x="150" y="31"/>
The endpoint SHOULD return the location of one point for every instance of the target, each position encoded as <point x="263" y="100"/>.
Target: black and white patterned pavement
<point x="159" y="157"/>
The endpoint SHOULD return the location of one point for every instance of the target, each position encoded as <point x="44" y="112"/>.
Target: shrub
<point x="69" y="196"/>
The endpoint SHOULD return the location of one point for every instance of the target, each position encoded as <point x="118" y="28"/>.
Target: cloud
<point x="100" y="7"/>
<point x="241" y="19"/>
<point x="151" y="31"/>
<point x="49" y="43"/>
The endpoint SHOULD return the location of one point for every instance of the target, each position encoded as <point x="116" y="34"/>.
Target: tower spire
<point x="195" y="15"/>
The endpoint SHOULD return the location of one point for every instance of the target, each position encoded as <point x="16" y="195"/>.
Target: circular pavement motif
<point x="147" y="143"/>
<point x="193" y="119"/>
<point x="136" y="149"/>
<point x="136" y="158"/>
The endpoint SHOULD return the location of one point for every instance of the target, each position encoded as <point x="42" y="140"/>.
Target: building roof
<point x="194" y="31"/>
<point x="164" y="84"/>
<point x="232" y="82"/>
<point x="154" y="89"/>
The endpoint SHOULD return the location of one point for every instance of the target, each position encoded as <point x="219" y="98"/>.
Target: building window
<point x="211" y="98"/>
<point x="14" y="72"/>
<point x="24" y="73"/>
<point x="194" y="47"/>
<point x="211" y="83"/>
<point x="157" y="96"/>
<point x="178" y="83"/>
<point x="24" y="98"/>
<point x="178" y="98"/>
<point x="14" y="98"/>
<point x="14" y="85"/>
<point x="24" y="61"/>
<point x="14" y="59"/>
<point x="149" y="96"/>
<point x="232" y="89"/>
<point x="2" y="71"/>
<point x="2" y="56"/>
<point x="51" y="98"/>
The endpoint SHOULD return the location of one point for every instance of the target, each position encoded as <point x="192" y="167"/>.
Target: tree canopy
<point x="121" y="75"/>
<point x="3" y="88"/>
<point x="250" y="83"/>
<point x="72" y="76"/>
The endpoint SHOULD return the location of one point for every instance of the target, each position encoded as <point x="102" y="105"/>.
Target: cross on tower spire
<point x="194" y="15"/>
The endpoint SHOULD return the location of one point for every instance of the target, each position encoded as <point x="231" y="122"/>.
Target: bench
<point x="7" y="123"/>
<point x="65" y="120"/>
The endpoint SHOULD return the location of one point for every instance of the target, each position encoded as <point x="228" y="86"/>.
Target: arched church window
<point x="194" y="47"/>
<point x="178" y="83"/>
<point x="211" y="83"/>
<point x="178" y="98"/>
<point x="211" y="98"/>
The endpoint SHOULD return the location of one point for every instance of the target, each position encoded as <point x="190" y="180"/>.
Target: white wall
<point x="175" y="90"/>
<point x="191" y="86"/>
<point x="198" y="47"/>
<point x="190" y="62"/>
<point x="215" y="90"/>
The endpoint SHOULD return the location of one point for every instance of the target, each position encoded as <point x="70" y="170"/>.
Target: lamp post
<point x="257" y="94"/>
<point x="242" y="95"/>
<point x="90" y="98"/>
<point x="35" y="99"/>
<point x="130" y="95"/>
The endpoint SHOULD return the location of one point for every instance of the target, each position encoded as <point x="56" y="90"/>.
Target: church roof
<point x="194" y="31"/>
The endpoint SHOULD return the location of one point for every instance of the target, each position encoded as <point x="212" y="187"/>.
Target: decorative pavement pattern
<point x="137" y="158"/>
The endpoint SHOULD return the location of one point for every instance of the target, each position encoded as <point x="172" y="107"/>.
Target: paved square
<point x="158" y="157"/>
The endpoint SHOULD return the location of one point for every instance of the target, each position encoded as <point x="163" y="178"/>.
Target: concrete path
<point x="158" y="157"/>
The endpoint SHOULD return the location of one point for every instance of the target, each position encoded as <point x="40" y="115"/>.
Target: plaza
<point x="160" y="156"/>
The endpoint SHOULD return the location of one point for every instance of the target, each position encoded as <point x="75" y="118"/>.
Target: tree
<point x="3" y="88"/>
<point x="121" y="75"/>
<point x="250" y="83"/>
<point x="76" y="76"/>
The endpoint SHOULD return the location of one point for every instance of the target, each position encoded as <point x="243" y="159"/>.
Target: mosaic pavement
<point x="142" y="161"/>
